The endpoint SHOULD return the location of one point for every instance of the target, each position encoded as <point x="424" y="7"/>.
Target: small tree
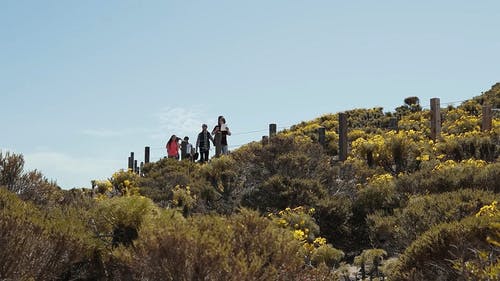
<point x="369" y="262"/>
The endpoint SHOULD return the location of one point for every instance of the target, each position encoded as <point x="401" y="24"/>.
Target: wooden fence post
<point x="486" y="125"/>
<point x="265" y="140"/>
<point x="135" y="166"/>
<point x="141" y="168"/>
<point x="342" y="136"/>
<point x="146" y="154"/>
<point x="435" y="119"/>
<point x="272" y="130"/>
<point x="322" y="136"/>
<point x="131" y="161"/>
<point x="393" y="123"/>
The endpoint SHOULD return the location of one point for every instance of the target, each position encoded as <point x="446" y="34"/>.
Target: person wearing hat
<point x="203" y="142"/>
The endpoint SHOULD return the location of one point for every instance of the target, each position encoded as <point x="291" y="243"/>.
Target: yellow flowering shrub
<point x="382" y="179"/>
<point x="183" y="198"/>
<point x="241" y="246"/>
<point x="298" y="219"/>
<point x="458" y="121"/>
<point x="485" y="263"/>
<point x="119" y="218"/>
<point x="378" y="194"/>
<point x="452" y="165"/>
<point x="125" y="182"/>
<point x="103" y="186"/>
<point x="495" y="124"/>
<point x="355" y="134"/>
<point x="391" y="150"/>
<point x="305" y="230"/>
<point x="417" y="121"/>
<point x="470" y="144"/>
<point x="491" y="211"/>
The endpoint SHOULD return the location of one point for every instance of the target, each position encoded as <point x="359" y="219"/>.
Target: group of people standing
<point x="218" y="137"/>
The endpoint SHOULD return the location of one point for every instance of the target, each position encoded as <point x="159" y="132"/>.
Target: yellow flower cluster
<point x="299" y="209"/>
<point x="319" y="241"/>
<point x="380" y="146"/>
<point x="493" y="212"/>
<point x="182" y="197"/>
<point x="103" y="186"/>
<point x="303" y="227"/>
<point x="445" y="165"/>
<point x="495" y="124"/>
<point x="450" y="164"/>
<point x="299" y="235"/>
<point x="474" y="162"/>
<point x="381" y="179"/>
<point x="464" y="123"/>
<point x="424" y="157"/>
<point x="125" y="182"/>
<point x="489" y="210"/>
<point x="417" y="121"/>
<point x="100" y="197"/>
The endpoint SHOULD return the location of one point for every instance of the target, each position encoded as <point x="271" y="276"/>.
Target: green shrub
<point x="42" y="245"/>
<point x="280" y="192"/>
<point x="244" y="246"/>
<point x="334" y="217"/>
<point x="430" y="256"/>
<point x="450" y="176"/>
<point x="379" y="194"/>
<point x="120" y="218"/>
<point x="491" y="97"/>
<point x="125" y="182"/>
<point x="396" y="232"/>
<point x="31" y="185"/>
<point x="471" y="144"/>
<point x="159" y="178"/>
<point x="369" y="262"/>
<point x="225" y="190"/>
<point x="327" y="255"/>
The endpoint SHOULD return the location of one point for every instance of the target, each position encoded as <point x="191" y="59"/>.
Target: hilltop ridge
<point x="402" y="206"/>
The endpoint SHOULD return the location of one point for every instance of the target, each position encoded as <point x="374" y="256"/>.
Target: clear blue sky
<point x="84" y="83"/>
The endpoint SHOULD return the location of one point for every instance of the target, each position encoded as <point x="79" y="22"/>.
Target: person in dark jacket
<point x="220" y="132"/>
<point x="203" y="142"/>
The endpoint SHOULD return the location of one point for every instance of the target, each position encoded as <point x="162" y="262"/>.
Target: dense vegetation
<point x="402" y="207"/>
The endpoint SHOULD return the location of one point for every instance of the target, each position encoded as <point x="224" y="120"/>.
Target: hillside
<point x="402" y="207"/>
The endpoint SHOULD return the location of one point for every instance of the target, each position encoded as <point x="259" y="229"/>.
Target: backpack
<point x="194" y="154"/>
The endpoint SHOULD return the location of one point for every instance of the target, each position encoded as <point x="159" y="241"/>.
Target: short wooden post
<point x="393" y="123"/>
<point x="265" y="140"/>
<point x="435" y="119"/>
<point x="486" y="125"/>
<point x="131" y="161"/>
<point x="322" y="136"/>
<point x="342" y="136"/>
<point x="135" y="166"/>
<point x="146" y="154"/>
<point x="272" y="130"/>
